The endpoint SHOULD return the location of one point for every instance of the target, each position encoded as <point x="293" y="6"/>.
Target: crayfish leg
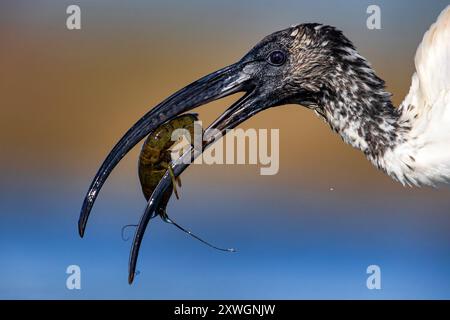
<point x="174" y="181"/>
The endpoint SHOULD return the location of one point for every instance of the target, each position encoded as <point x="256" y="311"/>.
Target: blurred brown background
<point x="67" y="96"/>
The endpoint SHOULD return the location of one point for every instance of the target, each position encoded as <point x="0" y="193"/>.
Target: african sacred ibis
<point x="316" y="66"/>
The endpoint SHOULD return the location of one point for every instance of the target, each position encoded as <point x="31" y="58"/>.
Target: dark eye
<point x="277" y="58"/>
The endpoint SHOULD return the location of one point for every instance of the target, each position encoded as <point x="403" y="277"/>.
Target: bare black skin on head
<point x="321" y="71"/>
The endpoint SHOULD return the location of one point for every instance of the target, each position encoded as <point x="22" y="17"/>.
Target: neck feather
<point x="356" y="105"/>
<point x="370" y="124"/>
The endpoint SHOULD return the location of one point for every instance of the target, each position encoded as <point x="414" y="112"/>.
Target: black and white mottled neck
<point x="409" y="143"/>
<point x="356" y="105"/>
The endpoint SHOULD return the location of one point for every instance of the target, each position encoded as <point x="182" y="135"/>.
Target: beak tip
<point x="81" y="229"/>
<point x="84" y="215"/>
<point x="130" y="278"/>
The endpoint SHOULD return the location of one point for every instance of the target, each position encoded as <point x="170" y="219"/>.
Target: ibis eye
<point x="277" y="58"/>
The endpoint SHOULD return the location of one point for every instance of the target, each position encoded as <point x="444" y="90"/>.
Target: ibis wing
<point x="431" y="80"/>
<point x="427" y="107"/>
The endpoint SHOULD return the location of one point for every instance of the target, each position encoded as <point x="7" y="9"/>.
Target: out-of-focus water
<point x="309" y="232"/>
<point x="290" y="244"/>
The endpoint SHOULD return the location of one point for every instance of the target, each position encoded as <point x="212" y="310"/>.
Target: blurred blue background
<point x="309" y="232"/>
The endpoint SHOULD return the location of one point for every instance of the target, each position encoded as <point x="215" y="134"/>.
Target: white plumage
<point x="424" y="157"/>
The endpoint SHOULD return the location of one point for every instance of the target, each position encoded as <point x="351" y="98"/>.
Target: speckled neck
<point x="356" y="105"/>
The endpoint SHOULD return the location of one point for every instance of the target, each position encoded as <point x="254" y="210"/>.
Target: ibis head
<point x="312" y="65"/>
<point x="309" y="64"/>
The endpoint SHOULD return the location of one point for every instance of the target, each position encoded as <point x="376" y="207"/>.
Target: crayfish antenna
<point x="166" y="218"/>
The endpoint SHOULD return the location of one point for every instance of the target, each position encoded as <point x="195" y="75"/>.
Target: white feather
<point x="424" y="158"/>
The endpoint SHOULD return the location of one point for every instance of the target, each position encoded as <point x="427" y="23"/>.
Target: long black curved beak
<point x="243" y="109"/>
<point x="216" y="85"/>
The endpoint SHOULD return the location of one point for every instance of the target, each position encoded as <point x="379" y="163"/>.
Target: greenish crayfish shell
<point x="156" y="153"/>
